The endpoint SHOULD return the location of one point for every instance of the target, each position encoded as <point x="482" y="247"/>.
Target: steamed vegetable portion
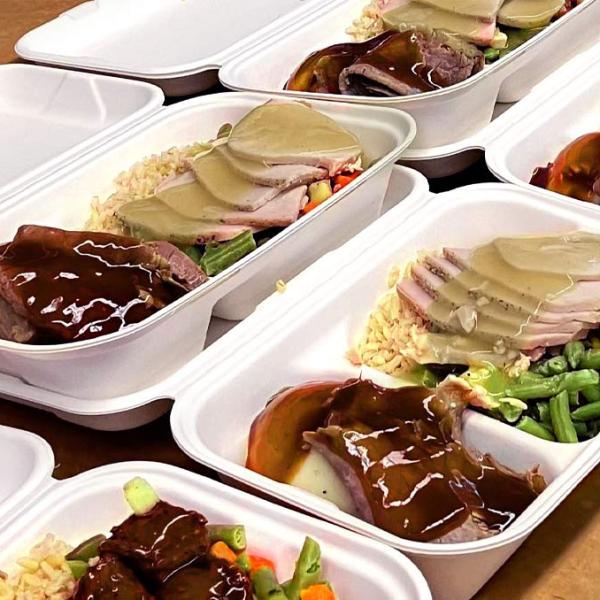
<point x="405" y="47"/>
<point x="513" y="321"/>
<point x="575" y="172"/>
<point x="164" y="552"/>
<point x="400" y="455"/>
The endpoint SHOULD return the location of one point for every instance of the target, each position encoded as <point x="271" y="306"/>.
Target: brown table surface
<point x="561" y="559"/>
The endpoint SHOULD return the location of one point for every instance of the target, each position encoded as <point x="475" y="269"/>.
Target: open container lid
<point x="158" y="39"/>
<point x="28" y="465"/>
<point x="50" y="117"/>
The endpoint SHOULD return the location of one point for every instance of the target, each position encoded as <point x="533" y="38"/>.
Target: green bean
<point x="243" y="562"/>
<point x="308" y="569"/>
<point x="573" y="352"/>
<point x="590" y="359"/>
<point x="588" y="412"/>
<point x="78" y="568"/>
<point x="591" y="393"/>
<point x="233" y="535"/>
<point x="491" y="54"/>
<point x="266" y="586"/>
<point x="543" y="409"/>
<point x="573" y="399"/>
<point x="219" y="257"/>
<point x="557" y="365"/>
<point x="194" y="253"/>
<point x="550" y="386"/>
<point x="87" y="549"/>
<point x="561" y="418"/>
<point x="540" y="368"/>
<point x="580" y="428"/>
<point x="530" y="377"/>
<point x="529" y="425"/>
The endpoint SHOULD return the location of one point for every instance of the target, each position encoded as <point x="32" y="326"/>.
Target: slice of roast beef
<point x="282" y="177"/>
<point x="402" y="457"/>
<point x="408" y="63"/>
<point x="71" y="285"/>
<point x="183" y="269"/>
<point x="13" y="326"/>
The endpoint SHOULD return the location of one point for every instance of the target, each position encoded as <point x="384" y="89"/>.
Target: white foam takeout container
<point x="50" y="117"/>
<point x="149" y="401"/>
<point x="545" y="126"/>
<point x="304" y="336"/>
<point x="446" y="118"/>
<point x="146" y="353"/>
<point x="357" y="567"/>
<point x="177" y="44"/>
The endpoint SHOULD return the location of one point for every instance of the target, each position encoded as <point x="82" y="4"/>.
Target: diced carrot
<point x="223" y="551"/>
<point x="320" y="591"/>
<point x="311" y="206"/>
<point x="344" y="180"/>
<point x="256" y="562"/>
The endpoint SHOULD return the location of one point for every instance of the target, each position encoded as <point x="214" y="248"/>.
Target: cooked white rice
<point x="368" y="25"/>
<point x="394" y="335"/>
<point x="139" y="181"/>
<point x="42" y="575"/>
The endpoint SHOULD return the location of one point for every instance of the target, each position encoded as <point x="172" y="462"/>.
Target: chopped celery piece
<point x="78" y="568"/>
<point x="140" y="496"/>
<point x="87" y="549"/>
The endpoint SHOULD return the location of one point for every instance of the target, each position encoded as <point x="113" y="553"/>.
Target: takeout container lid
<point x="179" y="44"/>
<point x="452" y="122"/>
<point x="116" y="412"/>
<point x="27" y="464"/>
<point x="32" y="504"/>
<point x="305" y="334"/>
<point x="51" y="117"/>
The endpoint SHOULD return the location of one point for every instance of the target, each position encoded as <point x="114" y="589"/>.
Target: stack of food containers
<point x="87" y="128"/>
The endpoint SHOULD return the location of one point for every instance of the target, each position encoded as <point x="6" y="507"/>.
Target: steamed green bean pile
<point x="562" y="394"/>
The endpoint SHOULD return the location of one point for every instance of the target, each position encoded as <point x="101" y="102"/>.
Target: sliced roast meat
<point x="408" y="63"/>
<point x="13" y="326"/>
<point x="456" y="296"/>
<point x="71" y="285"/>
<point x="466" y="321"/>
<point x="176" y="180"/>
<point x="279" y="176"/>
<point x="214" y="174"/>
<point x="579" y="295"/>
<point x="110" y="579"/>
<point x="283" y="133"/>
<point x="183" y="269"/>
<point x="283" y="210"/>
<point x="401" y="454"/>
<point x="160" y="542"/>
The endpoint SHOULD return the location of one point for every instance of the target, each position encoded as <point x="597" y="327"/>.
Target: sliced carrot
<point x="320" y="591"/>
<point x="223" y="551"/>
<point x="256" y="562"/>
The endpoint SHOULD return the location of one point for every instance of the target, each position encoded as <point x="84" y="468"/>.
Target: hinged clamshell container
<point x="146" y="354"/>
<point x="357" y="567"/>
<point x="52" y="117"/>
<point x="546" y="123"/>
<point x="408" y="190"/>
<point x="446" y="118"/>
<point x="304" y="336"/>
<point x="177" y="45"/>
